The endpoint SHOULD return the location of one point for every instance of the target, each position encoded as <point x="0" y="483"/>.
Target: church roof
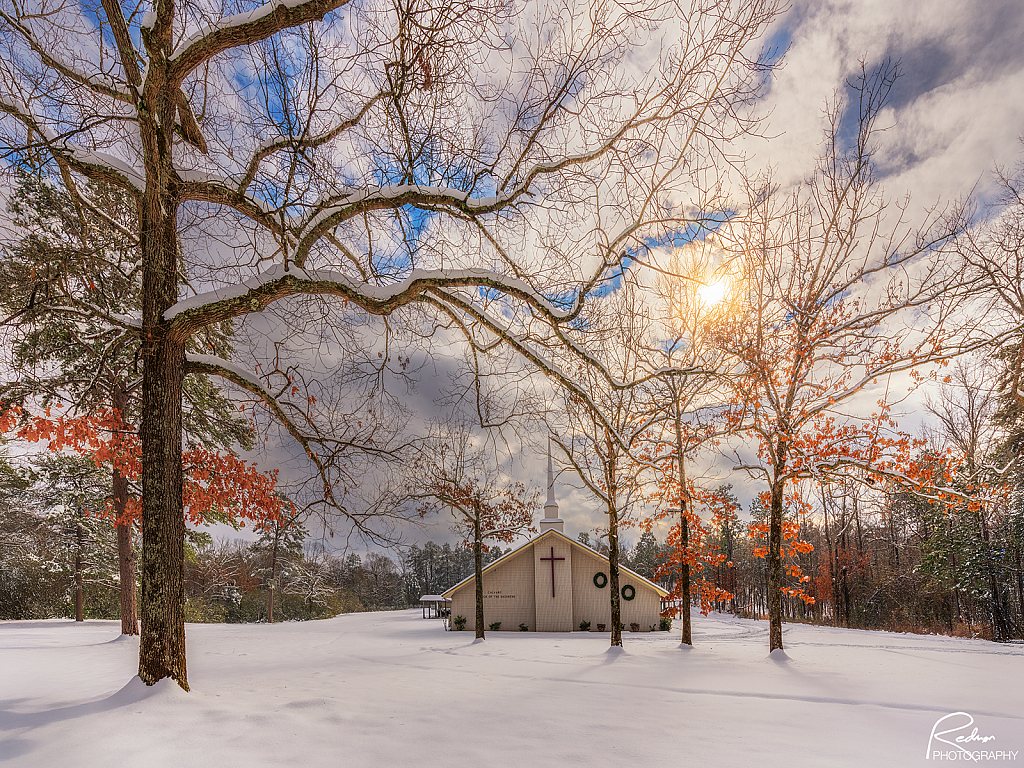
<point x="660" y="590"/>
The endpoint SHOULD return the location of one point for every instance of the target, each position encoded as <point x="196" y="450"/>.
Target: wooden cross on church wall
<point x="552" y="559"/>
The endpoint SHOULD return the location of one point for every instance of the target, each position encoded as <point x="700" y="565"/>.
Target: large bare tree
<point x="484" y="162"/>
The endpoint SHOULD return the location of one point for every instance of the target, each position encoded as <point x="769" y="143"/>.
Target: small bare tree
<point x="691" y="296"/>
<point x="462" y="477"/>
<point x="600" y="433"/>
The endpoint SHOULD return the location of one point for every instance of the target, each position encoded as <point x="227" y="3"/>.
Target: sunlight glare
<point x="713" y="293"/>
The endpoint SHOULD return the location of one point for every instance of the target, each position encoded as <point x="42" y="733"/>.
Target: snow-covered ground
<point x="390" y="689"/>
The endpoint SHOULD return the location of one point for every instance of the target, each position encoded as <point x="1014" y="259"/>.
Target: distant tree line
<point x="58" y="556"/>
<point x="229" y="581"/>
<point x="885" y="560"/>
<point x="880" y="560"/>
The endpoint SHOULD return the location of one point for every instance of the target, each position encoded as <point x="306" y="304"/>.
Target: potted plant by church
<point x="600" y="627"/>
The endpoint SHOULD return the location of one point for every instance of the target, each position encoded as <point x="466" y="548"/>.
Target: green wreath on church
<point x="600" y="580"/>
<point x="632" y="592"/>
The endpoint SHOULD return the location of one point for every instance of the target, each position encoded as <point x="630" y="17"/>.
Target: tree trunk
<point x="775" y="568"/>
<point x="1020" y="588"/>
<point x="613" y="574"/>
<point x="846" y="597"/>
<point x="895" y="559"/>
<point x="162" y="646"/>
<point x="273" y="575"/>
<point x="125" y="539"/>
<point x="1000" y="629"/>
<point x="684" y="531"/>
<point x="80" y="536"/>
<point x="126" y="568"/>
<point x="958" y="603"/>
<point x="1000" y="626"/>
<point x="478" y="569"/>
<point x="833" y="559"/>
<point x="730" y="571"/>
<point x="162" y="650"/>
<point x="684" y="572"/>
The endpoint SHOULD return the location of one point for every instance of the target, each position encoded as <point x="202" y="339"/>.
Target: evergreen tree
<point x="72" y="493"/>
<point x="85" y="260"/>
<point x="647" y="556"/>
<point x="28" y="567"/>
<point x="281" y="540"/>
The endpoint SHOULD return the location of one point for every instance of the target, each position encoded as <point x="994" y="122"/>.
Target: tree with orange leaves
<point x="460" y="476"/>
<point x="693" y="559"/>
<point x="840" y="294"/>
<point x="689" y="293"/>
<point x="219" y="486"/>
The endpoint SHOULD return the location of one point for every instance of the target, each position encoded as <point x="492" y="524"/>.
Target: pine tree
<point x="72" y="357"/>
<point x="647" y="555"/>
<point x="281" y="540"/>
<point x="72" y="493"/>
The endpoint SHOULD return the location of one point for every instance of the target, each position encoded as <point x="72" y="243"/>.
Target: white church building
<point x="553" y="584"/>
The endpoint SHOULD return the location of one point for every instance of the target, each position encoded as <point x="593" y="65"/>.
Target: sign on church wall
<point x="508" y="594"/>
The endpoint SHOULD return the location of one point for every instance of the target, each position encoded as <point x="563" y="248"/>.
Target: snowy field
<point x="390" y="689"/>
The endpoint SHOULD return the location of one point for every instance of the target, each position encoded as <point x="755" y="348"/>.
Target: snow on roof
<point x="451" y="591"/>
<point x="434" y="599"/>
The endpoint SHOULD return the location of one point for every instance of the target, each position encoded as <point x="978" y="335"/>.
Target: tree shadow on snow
<point x="134" y="692"/>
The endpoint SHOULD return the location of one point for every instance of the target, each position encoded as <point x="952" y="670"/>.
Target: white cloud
<point x="955" y="109"/>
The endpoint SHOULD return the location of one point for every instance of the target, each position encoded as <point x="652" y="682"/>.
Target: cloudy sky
<point x="956" y="113"/>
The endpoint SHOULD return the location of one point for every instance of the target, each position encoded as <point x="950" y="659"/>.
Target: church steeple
<point x="551" y="519"/>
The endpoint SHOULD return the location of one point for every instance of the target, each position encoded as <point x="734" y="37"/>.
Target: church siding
<point x="644" y="609"/>
<point x="593" y="604"/>
<point x="589" y="603"/>
<point x="554" y="606"/>
<point x="517" y="590"/>
<point x="508" y="594"/>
